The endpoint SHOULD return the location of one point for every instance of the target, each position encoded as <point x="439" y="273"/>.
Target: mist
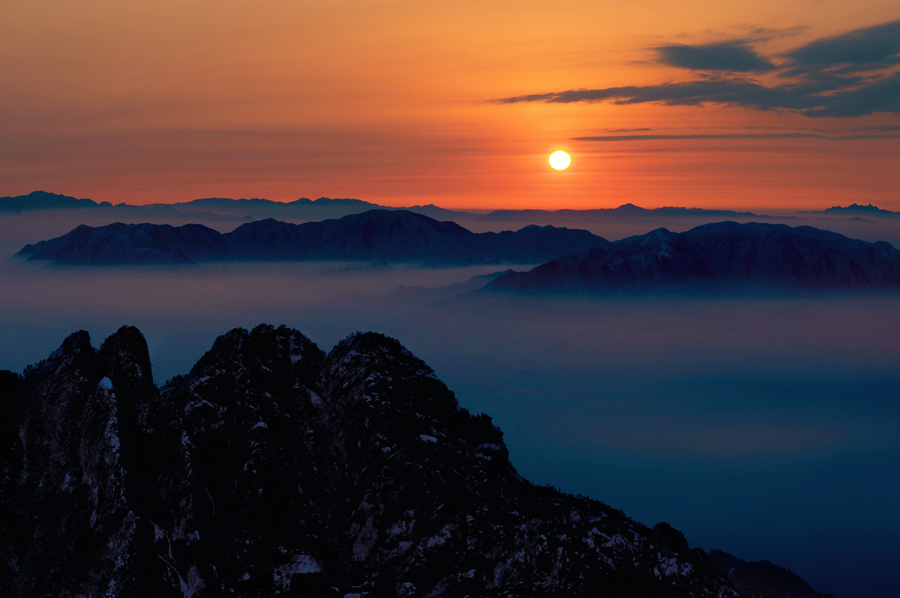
<point x="764" y="426"/>
<point x="767" y="426"/>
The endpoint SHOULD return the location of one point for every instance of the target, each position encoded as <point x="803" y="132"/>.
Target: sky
<point x="776" y="105"/>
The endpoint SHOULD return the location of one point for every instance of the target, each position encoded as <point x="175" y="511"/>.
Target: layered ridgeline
<point x="374" y="235"/>
<point x="211" y="207"/>
<point x="715" y="256"/>
<point x="273" y="468"/>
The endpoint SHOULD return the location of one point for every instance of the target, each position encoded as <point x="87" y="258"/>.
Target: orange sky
<point x="395" y="102"/>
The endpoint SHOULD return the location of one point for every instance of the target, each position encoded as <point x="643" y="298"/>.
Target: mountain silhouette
<point x="275" y="468"/>
<point x="718" y="256"/>
<point x="395" y="235"/>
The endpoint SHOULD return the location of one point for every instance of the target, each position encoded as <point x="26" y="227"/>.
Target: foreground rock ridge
<point x="274" y="468"/>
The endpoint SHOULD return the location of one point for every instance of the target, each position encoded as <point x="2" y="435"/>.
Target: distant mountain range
<point x="857" y="209"/>
<point x="273" y="468"/>
<point x="723" y="255"/>
<point x="215" y="208"/>
<point x="392" y="235"/>
<point x="717" y="256"/>
<point x="628" y="210"/>
<point x="41" y="200"/>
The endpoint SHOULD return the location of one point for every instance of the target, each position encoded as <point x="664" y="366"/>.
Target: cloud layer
<point x="851" y="74"/>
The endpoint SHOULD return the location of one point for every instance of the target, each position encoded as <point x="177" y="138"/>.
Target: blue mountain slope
<point x="130" y="244"/>
<point x="723" y="254"/>
<point x="395" y="235"/>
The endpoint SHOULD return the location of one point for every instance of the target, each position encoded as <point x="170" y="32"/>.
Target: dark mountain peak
<point x="264" y="226"/>
<point x="75" y="344"/>
<point x="670" y="538"/>
<point x="748" y="229"/>
<point x="120" y="243"/>
<point x="630" y="208"/>
<point x="282" y="357"/>
<point x="273" y="469"/>
<point x="75" y="354"/>
<point x="538" y="227"/>
<point x="39" y="194"/>
<point x="859" y="208"/>
<point x="371" y="351"/>
<point x="384" y="216"/>
<point x="43" y="200"/>
<point x="379" y="366"/>
<point x="127" y="358"/>
<point x="364" y="342"/>
<point x="374" y="235"/>
<point x="263" y="343"/>
<point x="657" y="235"/>
<point x="720" y="254"/>
<point x="227" y="202"/>
<point x="341" y="201"/>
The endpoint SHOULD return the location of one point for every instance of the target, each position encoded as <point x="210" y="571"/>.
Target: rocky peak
<point x="126" y="359"/>
<point x="273" y="469"/>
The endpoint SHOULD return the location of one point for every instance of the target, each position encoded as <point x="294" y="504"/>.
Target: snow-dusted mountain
<point x="274" y="468"/>
<point x="719" y="255"/>
<point x="372" y="235"/>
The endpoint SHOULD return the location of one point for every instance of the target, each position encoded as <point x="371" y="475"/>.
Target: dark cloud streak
<point x="725" y="56"/>
<point x="852" y="74"/>
<point x="872" y="46"/>
<point x="739" y="136"/>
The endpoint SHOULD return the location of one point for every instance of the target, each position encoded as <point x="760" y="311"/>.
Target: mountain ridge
<point x="372" y="235"/>
<point x="267" y="208"/>
<point x="273" y="467"/>
<point x="228" y="209"/>
<point x="718" y="256"/>
<point x="627" y="210"/>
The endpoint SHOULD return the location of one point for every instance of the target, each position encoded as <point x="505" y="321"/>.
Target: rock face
<point x="273" y="468"/>
<point x="763" y="579"/>
<point x="394" y="235"/>
<point x="722" y="255"/>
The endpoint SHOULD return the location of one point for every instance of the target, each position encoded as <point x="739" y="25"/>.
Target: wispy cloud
<point x="876" y="46"/>
<point x="725" y="56"/>
<point x="740" y="136"/>
<point x="852" y="74"/>
<point x="627" y="130"/>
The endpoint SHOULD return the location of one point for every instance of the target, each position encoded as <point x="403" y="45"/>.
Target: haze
<point x="765" y="426"/>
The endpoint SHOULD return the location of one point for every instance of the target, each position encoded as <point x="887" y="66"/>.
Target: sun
<point x="560" y="160"/>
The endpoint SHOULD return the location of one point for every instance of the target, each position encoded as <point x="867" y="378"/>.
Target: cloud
<point x="725" y="56"/>
<point x="852" y="74"/>
<point x="764" y="34"/>
<point x="872" y="47"/>
<point x="627" y="130"/>
<point x="880" y="96"/>
<point x="737" y="91"/>
<point x="740" y="136"/>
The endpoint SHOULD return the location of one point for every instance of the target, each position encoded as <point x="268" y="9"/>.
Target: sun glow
<point x="560" y="160"/>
